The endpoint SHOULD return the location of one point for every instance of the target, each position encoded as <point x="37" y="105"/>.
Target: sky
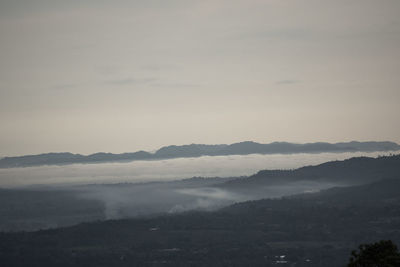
<point x="118" y="76"/>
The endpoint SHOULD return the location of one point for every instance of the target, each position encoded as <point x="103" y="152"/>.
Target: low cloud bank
<point x="164" y="170"/>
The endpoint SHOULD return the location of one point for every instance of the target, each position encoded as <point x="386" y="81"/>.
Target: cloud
<point x="284" y="34"/>
<point x="65" y="86"/>
<point x="160" y="67"/>
<point x="129" y="81"/>
<point x="177" y="85"/>
<point x="154" y="82"/>
<point x="288" y="81"/>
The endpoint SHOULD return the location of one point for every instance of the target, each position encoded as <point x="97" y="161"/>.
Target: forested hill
<point x="378" y="193"/>
<point x="317" y="229"/>
<point x="197" y="150"/>
<point x="359" y="170"/>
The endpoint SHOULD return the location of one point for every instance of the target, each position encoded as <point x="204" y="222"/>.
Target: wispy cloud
<point x="176" y="84"/>
<point x="287" y="82"/>
<point x="284" y="34"/>
<point x="129" y="81"/>
<point x="160" y="67"/>
<point x="154" y="82"/>
<point x="65" y="86"/>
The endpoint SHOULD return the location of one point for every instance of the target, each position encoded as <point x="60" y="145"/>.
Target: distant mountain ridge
<point x="197" y="150"/>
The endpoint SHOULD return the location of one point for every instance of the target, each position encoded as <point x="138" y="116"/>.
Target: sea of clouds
<point x="165" y="170"/>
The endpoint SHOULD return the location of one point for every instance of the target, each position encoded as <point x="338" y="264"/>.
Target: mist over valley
<point x="312" y="214"/>
<point x="58" y="200"/>
<point x="210" y="133"/>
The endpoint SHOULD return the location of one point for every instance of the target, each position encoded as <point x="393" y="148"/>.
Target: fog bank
<point x="165" y="170"/>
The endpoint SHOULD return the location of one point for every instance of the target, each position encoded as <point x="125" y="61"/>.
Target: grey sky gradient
<point x="87" y="76"/>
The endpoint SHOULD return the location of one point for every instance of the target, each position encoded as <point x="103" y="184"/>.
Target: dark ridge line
<point x="197" y="150"/>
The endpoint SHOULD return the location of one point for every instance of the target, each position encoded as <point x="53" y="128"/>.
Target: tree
<point x="380" y="254"/>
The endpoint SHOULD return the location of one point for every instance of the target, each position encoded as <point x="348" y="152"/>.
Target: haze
<point x="116" y="76"/>
<point x="165" y="170"/>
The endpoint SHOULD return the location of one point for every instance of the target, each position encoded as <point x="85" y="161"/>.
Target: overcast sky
<point x="87" y="76"/>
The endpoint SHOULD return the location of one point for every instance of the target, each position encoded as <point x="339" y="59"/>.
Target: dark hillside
<point x="305" y="230"/>
<point x="352" y="171"/>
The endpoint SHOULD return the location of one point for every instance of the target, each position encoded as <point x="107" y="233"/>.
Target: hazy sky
<point x="87" y="76"/>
